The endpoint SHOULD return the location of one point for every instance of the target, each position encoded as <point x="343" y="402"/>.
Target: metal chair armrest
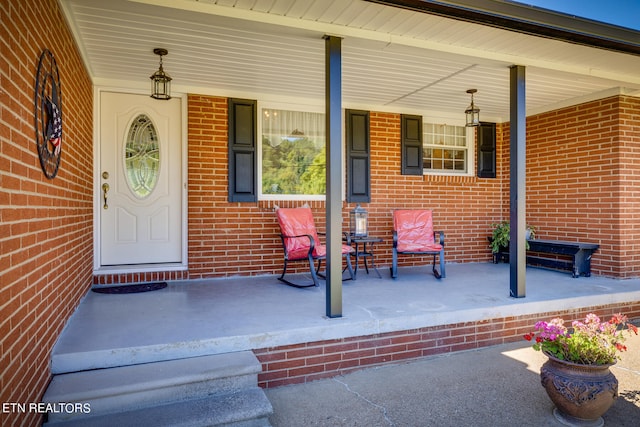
<point x="312" y="243"/>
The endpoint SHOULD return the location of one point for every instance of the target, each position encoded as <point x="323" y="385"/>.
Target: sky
<point x="624" y="13"/>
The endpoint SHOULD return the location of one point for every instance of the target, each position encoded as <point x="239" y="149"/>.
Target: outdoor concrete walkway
<point x="198" y="318"/>
<point x="493" y="387"/>
<point x="496" y="386"/>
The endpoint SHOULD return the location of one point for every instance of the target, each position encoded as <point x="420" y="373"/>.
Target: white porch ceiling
<point x="393" y="59"/>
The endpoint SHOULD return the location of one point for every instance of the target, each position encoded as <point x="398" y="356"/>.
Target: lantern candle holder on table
<point x="359" y="222"/>
<point x="362" y="241"/>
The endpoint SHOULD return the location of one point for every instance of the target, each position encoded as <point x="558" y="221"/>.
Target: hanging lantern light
<point x="160" y="81"/>
<point x="358" y="222"/>
<point x="472" y="112"/>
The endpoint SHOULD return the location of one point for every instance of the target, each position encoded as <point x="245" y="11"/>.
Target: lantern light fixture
<point x="358" y="222"/>
<point x="472" y="112"/>
<point x="160" y="81"/>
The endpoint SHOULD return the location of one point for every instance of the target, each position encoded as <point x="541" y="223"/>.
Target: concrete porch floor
<point x="195" y="318"/>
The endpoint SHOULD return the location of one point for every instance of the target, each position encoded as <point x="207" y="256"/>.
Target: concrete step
<point x="246" y="408"/>
<point x="137" y="388"/>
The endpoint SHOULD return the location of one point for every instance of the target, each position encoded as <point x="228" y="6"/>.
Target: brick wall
<point x="582" y="164"/>
<point x="46" y="226"/>
<point x="310" y="361"/>
<point x="627" y="249"/>
<point x="464" y="207"/>
<point x="227" y="239"/>
<point x="580" y="186"/>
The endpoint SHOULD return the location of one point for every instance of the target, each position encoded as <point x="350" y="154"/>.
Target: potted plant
<point x="499" y="240"/>
<point x="576" y="375"/>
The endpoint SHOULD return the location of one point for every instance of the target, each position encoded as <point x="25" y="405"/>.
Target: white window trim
<point x="471" y="153"/>
<point x="307" y="108"/>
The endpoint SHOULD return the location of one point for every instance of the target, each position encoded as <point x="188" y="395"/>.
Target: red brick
<point x="50" y="219"/>
<point x="335" y="361"/>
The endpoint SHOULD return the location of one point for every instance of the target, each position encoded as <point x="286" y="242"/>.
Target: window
<point x="293" y="161"/>
<point x="447" y="149"/>
<point x="142" y="157"/>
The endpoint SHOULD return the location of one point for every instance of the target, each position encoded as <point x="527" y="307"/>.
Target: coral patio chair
<point x="300" y="243"/>
<point x="413" y="235"/>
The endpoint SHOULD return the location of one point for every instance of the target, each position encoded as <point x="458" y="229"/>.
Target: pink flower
<point x="591" y="342"/>
<point x="592" y="318"/>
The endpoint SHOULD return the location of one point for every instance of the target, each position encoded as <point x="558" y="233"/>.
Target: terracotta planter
<point x="581" y="393"/>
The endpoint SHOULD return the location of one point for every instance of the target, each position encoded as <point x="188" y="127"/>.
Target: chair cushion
<point x="299" y="221"/>
<point x="296" y="222"/>
<point x="415" y="231"/>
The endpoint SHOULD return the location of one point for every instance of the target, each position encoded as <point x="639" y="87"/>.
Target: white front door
<point x="140" y="180"/>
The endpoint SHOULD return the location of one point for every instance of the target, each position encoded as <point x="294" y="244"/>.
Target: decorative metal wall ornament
<point x="472" y="112"/>
<point x="160" y="81"/>
<point x="48" y="114"/>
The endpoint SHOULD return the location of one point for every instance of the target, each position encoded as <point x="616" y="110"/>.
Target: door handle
<point x="105" y="190"/>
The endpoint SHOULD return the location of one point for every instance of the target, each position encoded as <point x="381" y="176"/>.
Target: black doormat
<point x="131" y="289"/>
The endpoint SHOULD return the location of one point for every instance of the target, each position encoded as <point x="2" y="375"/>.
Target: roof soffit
<point x="413" y="61"/>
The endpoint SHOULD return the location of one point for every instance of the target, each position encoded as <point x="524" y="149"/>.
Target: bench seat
<point x="579" y="254"/>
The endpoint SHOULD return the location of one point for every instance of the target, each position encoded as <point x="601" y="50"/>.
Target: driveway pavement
<point x="495" y="386"/>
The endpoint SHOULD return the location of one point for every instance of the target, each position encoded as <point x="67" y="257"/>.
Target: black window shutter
<point x="487" y="150"/>
<point x="358" y="156"/>
<point x="242" y="150"/>
<point x="411" y="142"/>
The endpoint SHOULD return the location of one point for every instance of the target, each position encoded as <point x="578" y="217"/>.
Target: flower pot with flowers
<point x="576" y="376"/>
<point x="499" y="240"/>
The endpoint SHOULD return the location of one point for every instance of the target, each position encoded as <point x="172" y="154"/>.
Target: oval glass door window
<point x="142" y="156"/>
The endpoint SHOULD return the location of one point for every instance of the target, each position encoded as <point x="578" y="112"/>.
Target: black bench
<point x="579" y="253"/>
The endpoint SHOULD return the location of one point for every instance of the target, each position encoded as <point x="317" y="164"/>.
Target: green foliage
<point x="314" y="179"/>
<point x="501" y="234"/>
<point x="293" y="167"/>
